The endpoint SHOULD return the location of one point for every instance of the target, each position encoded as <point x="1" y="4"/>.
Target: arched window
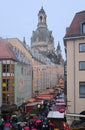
<point x="41" y="18"/>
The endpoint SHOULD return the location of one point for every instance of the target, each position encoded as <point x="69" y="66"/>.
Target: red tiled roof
<point x="5" y="51"/>
<point x="75" y="26"/>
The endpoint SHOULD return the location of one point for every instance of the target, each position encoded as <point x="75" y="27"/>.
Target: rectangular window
<point x="82" y="47"/>
<point x="6" y="68"/>
<point x="82" y="89"/>
<point x="6" y="84"/>
<point x="4" y="98"/>
<point x="83" y="28"/>
<point x="82" y="65"/>
<point x="22" y="71"/>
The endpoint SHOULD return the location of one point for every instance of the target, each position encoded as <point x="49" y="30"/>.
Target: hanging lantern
<point x="3" y="84"/>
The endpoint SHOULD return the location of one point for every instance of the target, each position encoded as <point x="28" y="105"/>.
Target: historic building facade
<point x="42" y="41"/>
<point x="15" y="75"/>
<point x="74" y="42"/>
<point x="25" y="70"/>
<point x="7" y="65"/>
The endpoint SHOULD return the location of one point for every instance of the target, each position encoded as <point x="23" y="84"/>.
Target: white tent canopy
<point x="55" y="114"/>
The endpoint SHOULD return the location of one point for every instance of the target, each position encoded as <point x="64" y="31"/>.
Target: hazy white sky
<point x="18" y="18"/>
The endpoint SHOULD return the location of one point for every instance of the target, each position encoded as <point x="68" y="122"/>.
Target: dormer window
<point x="83" y="27"/>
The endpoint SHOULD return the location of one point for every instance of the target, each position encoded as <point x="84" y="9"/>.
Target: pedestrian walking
<point x="19" y="127"/>
<point x="1" y="123"/>
<point x="34" y="128"/>
<point x="26" y="127"/>
<point x="45" y="126"/>
<point x="30" y="124"/>
<point x="7" y="126"/>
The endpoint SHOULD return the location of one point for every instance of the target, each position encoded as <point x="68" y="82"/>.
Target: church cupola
<point x="42" y="39"/>
<point x="42" y="18"/>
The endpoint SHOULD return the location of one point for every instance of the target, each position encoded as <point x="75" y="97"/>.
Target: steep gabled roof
<point x="17" y="43"/>
<point x="5" y="51"/>
<point x="75" y="26"/>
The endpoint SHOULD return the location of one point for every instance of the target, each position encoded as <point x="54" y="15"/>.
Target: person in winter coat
<point x="45" y="126"/>
<point x="1" y="123"/>
<point x="7" y="126"/>
<point x="26" y="127"/>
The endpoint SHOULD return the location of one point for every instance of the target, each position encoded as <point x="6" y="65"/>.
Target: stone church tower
<point x="42" y="38"/>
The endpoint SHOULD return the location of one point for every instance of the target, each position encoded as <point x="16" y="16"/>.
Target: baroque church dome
<point x="42" y="38"/>
<point x="42" y="34"/>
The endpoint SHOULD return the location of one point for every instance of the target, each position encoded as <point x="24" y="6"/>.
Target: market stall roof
<point x="32" y="100"/>
<point x="50" y="90"/>
<point x="32" y="104"/>
<point x="55" y="114"/>
<point x="44" y="96"/>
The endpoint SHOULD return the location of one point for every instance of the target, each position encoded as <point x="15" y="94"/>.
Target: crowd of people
<point x="18" y="120"/>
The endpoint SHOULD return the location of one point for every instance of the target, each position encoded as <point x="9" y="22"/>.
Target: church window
<point x="41" y="18"/>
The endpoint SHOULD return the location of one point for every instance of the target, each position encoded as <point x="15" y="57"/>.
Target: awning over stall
<point x="32" y="100"/>
<point x="55" y="114"/>
<point x="44" y="96"/>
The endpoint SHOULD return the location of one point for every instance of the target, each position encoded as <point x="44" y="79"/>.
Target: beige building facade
<point x="44" y="72"/>
<point x="74" y="42"/>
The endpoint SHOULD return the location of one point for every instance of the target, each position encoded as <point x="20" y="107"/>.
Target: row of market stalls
<point x="38" y="99"/>
<point x="54" y="115"/>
